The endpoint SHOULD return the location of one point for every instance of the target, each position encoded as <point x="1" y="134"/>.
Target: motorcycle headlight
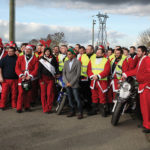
<point x="126" y="86"/>
<point x="125" y="90"/>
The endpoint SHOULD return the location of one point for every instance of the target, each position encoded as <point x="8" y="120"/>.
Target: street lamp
<point x="12" y="20"/>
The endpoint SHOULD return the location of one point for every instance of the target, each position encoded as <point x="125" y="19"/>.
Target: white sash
<point x="48" y="66"/>
<point x="2" y="54"/>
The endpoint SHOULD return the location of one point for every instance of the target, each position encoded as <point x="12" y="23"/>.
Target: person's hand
<point x="1" y="80"/>
<point x="28" y="78"/>
<point x="95" y="77"/>
<point x="68" y="85"/>
<point x="23" y="77"/>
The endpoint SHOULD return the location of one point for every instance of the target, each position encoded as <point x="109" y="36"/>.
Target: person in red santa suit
<point x="48" y="69"/>
<point x="98" y="71"/>
<point x="142" y="73"/>
<point x="118" y="66"/>
<point x="26" y="69"/>
<point x="130" y="60"/>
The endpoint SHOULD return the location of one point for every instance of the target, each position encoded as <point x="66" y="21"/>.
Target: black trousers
<point x="85" y="94"/>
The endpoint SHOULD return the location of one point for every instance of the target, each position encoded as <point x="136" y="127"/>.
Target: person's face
<point x="117" y="54"/>
<point x="47" y="53"/>
<point x="125" y="52"/>
<point x="70" y="55"/>
<point x="39" y="48"/>
<point x="140" y="53"/>
<point x="77" y="48"/>
<point x="99" y="53"/>
<point x="11" y="52"/>
<point x="42" y="49"/>
<point x="56" y="50"/>
<point x="23" y="48"/>
<point x="63" y="50"/>
<point x="89" y="50"/>
<point x="132" y="50"/>
<point x="81" y="51"/>
<point x="109" y="53"/>
<point x="28" y="51"/>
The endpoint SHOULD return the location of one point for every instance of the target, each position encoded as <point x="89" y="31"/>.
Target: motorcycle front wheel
<point x="117" y="113"/>
<point x="60" y="105"/>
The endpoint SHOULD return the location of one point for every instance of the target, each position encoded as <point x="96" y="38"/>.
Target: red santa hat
<point x="29" y="47"/>
<point x="6" y="45"/>
<point x="101" y="47"/>
<point x="1" y="44"/>
<point x="12" y="44"/>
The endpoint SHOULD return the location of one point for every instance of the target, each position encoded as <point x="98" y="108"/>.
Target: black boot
<point x="110" y="108"/>
<point x="93" y="110"/>
<point x="103" y="110"/>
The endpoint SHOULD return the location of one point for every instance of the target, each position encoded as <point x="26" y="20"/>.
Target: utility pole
<point x="94" y="22"/>
<point x="102" y="34"/>
<point x="12" y="20"/>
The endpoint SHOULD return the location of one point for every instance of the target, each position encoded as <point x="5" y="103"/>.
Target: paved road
<point x="38" y="131"/>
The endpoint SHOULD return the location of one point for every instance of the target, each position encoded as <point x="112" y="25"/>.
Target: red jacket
<point x="105" y="73"/>
<point x="130" y="62"/>
<point x="135" y="60"/>
<point x="24" y="67"/>
<point x="142" y="73"/>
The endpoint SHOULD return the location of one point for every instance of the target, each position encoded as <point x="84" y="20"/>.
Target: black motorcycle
<point x="126" y="99"/>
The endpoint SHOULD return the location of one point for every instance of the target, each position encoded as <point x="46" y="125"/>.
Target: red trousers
<point x="145" y="107"/>
<point x="24" y="98"/>
<point x="9" y="85"/>
<point x="35" y="85"/>
<point x="110" y="95"/>
<point x="97" y="95"/>
<point x="47" y="93"/>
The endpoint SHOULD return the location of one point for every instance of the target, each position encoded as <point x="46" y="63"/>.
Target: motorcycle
<point x="126" y="99"/>
<point x="62" y="96"/>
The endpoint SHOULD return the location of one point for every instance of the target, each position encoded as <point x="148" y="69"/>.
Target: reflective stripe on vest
<point x="98" y="68"/>
<point x="85" y="61"/>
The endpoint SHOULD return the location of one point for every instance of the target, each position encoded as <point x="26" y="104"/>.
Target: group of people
<point x="92" y="73"/>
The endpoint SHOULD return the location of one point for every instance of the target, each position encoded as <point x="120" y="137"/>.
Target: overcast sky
<point x="36" y="18"/>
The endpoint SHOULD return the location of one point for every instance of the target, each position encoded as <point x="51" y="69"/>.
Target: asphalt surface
<point x="38" y="131"/>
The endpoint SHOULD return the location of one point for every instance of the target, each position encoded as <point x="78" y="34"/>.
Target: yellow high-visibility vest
<point x="85" y="61"/>
<point x="118" y="69"/>
<point x="61" y="62"/>
<point x="98" y="68"/>
<point x="111" y="56"/>
<point x="21" y="54"/>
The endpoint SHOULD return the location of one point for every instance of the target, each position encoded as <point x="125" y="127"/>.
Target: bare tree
<point x="34" y="42"/>
<point x="144" y="38"/>
<point x="56" y="39"/>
